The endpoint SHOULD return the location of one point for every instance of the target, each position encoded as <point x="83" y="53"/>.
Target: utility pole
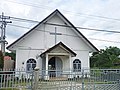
<point x="3" y="31"/>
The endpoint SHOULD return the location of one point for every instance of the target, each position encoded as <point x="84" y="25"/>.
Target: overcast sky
<point x="95" y="14"/>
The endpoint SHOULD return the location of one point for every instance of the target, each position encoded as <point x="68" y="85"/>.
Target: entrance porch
<point x="56" y="60"/>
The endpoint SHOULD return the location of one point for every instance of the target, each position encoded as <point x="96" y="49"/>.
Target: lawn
<point x="9" y="89"/>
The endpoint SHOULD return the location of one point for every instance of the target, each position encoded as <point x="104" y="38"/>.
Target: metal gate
<point x="93" y="79"/>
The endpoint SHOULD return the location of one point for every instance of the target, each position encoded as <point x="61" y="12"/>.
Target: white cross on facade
<point x="55" y="33"/>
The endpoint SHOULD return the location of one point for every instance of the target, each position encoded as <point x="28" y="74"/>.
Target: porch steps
<point x="47" y="85"/>
<point x="53" y="85"/>
<point x="58" y="78"/>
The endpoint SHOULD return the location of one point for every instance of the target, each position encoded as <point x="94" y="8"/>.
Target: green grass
<point x="9" y="89"/>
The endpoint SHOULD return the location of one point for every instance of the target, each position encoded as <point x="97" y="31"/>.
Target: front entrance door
<point x="55" y="66"/>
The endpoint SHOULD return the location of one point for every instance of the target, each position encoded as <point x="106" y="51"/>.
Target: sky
<point x="95" y="14"/>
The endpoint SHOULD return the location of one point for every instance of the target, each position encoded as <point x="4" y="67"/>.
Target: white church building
<point x="54" y="44"/>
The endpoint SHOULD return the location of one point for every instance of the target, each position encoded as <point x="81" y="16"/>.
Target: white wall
<point x="39" y="40"/>
<point x="23" y="55"/>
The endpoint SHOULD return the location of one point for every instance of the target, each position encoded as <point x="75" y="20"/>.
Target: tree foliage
<point x="11" y="54"/>
<point x="105" y="58"/>
<point x="1" y="60"/>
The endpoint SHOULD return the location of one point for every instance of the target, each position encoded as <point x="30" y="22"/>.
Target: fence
<point x="16" y="79"/>
<point x="93" y="79"/>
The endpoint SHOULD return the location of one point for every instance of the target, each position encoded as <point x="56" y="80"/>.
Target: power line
<point x="33" y="21"/>
<point x="101" y="30"/>
<point x="29" y="4"/>
<point x="66" y="34"/>
<point x="104" y="40"/>
<point x="103" y="17"/>
<point x="19" y="26"/>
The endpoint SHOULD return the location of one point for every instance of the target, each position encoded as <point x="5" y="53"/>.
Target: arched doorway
<point x="55" y="66"/>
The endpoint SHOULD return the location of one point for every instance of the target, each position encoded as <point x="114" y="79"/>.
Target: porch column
<point x="46" y="77"/>
<point x="70" y="72"/>
<point x="46" y="64"/>
<point x="70" y="62"/>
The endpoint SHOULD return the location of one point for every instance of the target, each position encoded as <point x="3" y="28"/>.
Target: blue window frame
<point x="76" y="65"/>
<point x="31" y="64"/>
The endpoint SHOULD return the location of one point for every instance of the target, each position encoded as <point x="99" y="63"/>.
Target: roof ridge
<point x="43" y="21"/>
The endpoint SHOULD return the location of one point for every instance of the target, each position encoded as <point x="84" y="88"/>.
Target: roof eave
<point x="60" y="43"/>
<point x="95" y="49"/>
<point x="43" y="21"/>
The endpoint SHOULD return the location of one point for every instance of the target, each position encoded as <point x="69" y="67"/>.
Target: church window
<point x="76" y="65"/>
<point x="31" y="64"/>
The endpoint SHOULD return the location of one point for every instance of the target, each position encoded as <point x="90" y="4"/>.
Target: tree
<point x="105" y="58"/>
<point x="11" y="54"/>
<point x="1" y="60"/>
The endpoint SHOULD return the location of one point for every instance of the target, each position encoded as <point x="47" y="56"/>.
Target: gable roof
<point x="61" y="45"/>
<point x="44" y="21"/>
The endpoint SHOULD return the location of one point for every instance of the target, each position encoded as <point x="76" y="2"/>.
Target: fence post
<point x="82" y="79"/>
<point x="36" y="78"/>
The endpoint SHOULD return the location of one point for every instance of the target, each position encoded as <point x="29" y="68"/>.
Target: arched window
<point x="76" y="65"/>
<point x="31" y="64"/>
